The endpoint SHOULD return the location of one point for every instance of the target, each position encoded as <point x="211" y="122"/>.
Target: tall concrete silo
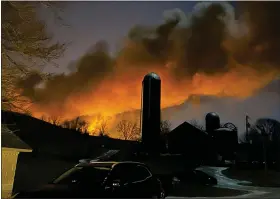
<point x="212" y="121"/>
<point x="150" y="113"/>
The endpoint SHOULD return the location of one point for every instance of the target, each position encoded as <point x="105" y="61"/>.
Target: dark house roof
<point x="10" y="140"/>
<point x="186" y="127"/>
<point x="187" y="136"/>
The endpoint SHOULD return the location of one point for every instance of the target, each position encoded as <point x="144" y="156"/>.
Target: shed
<point x="11" y="147"/>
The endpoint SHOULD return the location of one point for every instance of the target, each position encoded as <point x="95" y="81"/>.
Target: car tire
<point x="160" y="196"/>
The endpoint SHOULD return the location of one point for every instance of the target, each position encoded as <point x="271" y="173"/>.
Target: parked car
<point x="197" y="177"/>
<point x="102" y="180"/>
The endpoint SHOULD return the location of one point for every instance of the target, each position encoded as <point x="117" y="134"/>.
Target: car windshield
<point x="83" y="175"/>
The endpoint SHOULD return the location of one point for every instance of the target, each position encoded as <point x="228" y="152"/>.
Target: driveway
<point x="225" y="183"/>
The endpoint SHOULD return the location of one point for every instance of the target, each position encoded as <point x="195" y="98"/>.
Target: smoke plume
<point x="214" y="50"/>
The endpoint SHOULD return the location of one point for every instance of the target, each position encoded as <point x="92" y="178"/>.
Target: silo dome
<point x="212" y="121"/>
<point x="212" y="115"/>
<point x="151" y="75"/>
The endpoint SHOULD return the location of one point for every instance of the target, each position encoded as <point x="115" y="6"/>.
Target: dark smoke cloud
<point x="197" y="48"/>
<point x="204" y="50"/>
<point x="205" y="45"/>
<point x="149" y="45"/>
<point x="211" y="39"/>
<point x="29" y="83"/>
<point x="89" y="71"/>
<point x="263" y="21"/>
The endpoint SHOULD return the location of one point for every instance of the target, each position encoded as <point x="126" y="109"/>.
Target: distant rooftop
<point x="224" y="129"/>
<point x="186" y="125"/>
<point x="10" y="140"/>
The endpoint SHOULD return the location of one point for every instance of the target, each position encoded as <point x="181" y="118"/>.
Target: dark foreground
<point x="227" y="187"/>
<point x="204" y="191"/>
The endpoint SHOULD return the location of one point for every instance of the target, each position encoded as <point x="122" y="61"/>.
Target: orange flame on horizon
<point x="122" y="92"/>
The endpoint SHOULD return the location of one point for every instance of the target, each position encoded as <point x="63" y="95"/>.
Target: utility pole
<point x="264" y="153"/>
<point x="264" y="138"/>
<point x="263" y="133"/>
<point x="247" y="126"/>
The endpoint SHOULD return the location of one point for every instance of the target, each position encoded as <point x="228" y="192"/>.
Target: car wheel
<point x="160" y="196"/>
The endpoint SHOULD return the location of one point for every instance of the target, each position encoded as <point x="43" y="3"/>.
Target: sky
<point x="89" y="21"/>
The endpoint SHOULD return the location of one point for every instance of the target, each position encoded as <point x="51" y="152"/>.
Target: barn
<point x="193" y="143"/>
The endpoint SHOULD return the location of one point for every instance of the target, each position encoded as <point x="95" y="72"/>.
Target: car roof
<point x="106" y="164"/>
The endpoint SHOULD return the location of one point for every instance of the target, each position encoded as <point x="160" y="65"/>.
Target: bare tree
<point x="76" y="124"/>
<point x="55" y="120"/>
<point x="83" y="126"/>
<point x="99" y="125"/>
<point x="264" y="131"/>
<point x="103" y="128"/>
<point x="26" y="44"/>
<point x="129" y="130"/>
<point x="196" y="124"/>
<point x="165" y="126"/>
<point x="66" y="124"/>
<point x="44" y="118"/>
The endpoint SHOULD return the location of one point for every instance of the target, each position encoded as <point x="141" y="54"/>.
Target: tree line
<point x="263" y="137"/>
<point x="126" y="129"/>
